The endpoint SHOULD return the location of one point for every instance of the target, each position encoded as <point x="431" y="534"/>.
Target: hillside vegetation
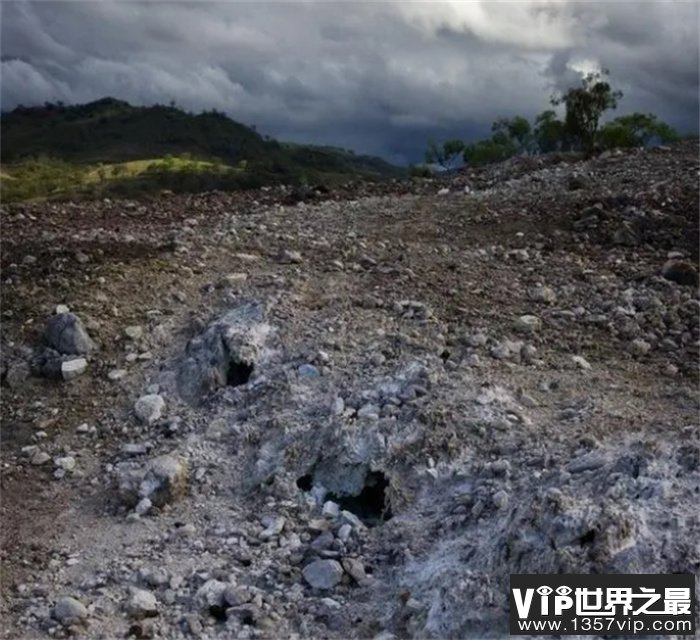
<point x="110" y="146"/>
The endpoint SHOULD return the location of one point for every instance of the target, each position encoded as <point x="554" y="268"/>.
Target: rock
<point x="323" y="574"/>
<point x="587" y="462"/>
<point x="17" y="375"/>
<point x="274" y="526"/>
<point x="680" y="272"/>
<point x="39" y="458"/>
<point x="639" y="347"/>
<point x="71" y="369"/>
<point x="142" y="604"/>
<point x="330" y="509"/>
<point x="625" y="236"/>
<point x="116" y="374"/>
<point x="211" y="594"/>
<point x="61" y="308"/>
<point x="66" y="334"/>
<point x="135" y="332"/>
<point x="308" y="371"/>
<point x="143" y="507"/>
<point x="581" y="362"/>
<point x="67" y="463"/>
<point x="355" y="569"/>
<point x="527" y="324"/>
<point x="149" y="409"/>
<point x="162" y="480"/>
<point x="291" y="257"/>
<point x="541" y="293"/>
<point x="69" y="611"/>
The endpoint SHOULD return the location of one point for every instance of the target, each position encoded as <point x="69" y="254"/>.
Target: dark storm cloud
<point x="376" y="77"/>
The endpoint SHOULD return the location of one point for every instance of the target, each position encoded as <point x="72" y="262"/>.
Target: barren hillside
<point x="348" y="414"/>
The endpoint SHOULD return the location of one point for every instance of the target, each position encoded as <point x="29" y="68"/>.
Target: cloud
<point x="377" y="77"/>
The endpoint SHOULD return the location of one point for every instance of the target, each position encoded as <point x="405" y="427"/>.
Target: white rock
<point x="67" y="463"/>
<point x="116" y="374"/>
<point x="581" y="362"/>
<point x="61" y="308"/>
<point x="274" y="526"/>
<point x="134" y="332"/>
<point x="73" y="368"/>
<point x="331" y="509"/>
<point x="149" y="409"/>
<point x="142" y="604"/>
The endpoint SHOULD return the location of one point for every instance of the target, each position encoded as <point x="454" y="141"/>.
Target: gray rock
<point x="581" y="362"/>
<point x="527" y="324"/>
<point x="323" y="574"/>
<point x="69" y="611"/>
<point x="211" y="594"/>
<point x="587" y="462"/>
<point x="541" y="293"/>
<point x="274" y="526"/>
<point x="162" y="480"/>
<point x="66" y="334"/>
<point x="71" y="369"/>
<point x="639" y="347"/>
<point x="308" y="371"/>
<point x="149" y="409"/>
<point x="142" y="604"/>
<point x="17" y="375"/>
<point x="355" y="569"/>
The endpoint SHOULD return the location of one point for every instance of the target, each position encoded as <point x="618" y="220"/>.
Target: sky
<point x="376" y="77"/>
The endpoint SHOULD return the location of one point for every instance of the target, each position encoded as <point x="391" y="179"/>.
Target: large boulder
<point x="66" y="334"/>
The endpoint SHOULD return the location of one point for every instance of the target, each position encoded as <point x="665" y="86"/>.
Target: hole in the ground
<point x="238" y="373"/>
<point x="248" y="620"/>
<point x="587" y="538"/>
<point x="305" y="483"/>
<point x="370" y="505"/>
<point x="218" y="612"/>
<point x="445" y="355"/>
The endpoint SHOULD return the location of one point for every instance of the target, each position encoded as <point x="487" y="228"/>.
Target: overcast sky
<point x="378" y="77"/>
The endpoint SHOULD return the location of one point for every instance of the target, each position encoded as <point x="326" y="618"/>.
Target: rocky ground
<point x="349" y="413"/>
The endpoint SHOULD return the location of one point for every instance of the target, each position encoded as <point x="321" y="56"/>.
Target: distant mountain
<point x="112" y="132"/>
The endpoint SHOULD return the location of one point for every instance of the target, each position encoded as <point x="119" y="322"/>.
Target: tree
<point x="549" y="133"/>
<point x="517" y="130"/>
<point x="446" y="156"/>
<point x="495" y="149"/>
<point x="584" y="107"/>
<point x="635" y="130"/>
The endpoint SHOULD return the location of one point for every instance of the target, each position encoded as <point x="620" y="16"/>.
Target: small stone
<point x="135" y="332"/>
<point x="69" y="611"/>
<point x="143" y="507"/>
<point x="116" y="374"/>
<point x="39" y="458"/>
<point x="17" y="375"/>
<point x="500" y="499"/>
<point x="308" y="371"/>
<point x="680" y="272"/>
<point x="274" y="526"/>
<point x="67" y="463"/>
<point x="293" y="257"/>
<point x="149" y="409"/>
<point x="528" y="324"/>
<point x="71" y="369"/>
<point x="233" y="279"/>
<point x="61" y="308"/>
<point x="344" y="532"/>
<point x="581" y="362"/>
<point x="323" y="574"/>
<point x="541" y="293"/>
<point x="639" y="347"/>
<point x="142" y="604"/>
<point x="211" y="594"/>
<point x="369" y="411"/>
<point x="330" y="509"/>
<point x="355" y="569"/>
<point x="587" y="462"/>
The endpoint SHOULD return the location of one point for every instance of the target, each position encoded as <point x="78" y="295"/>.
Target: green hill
<point x="110" y="146"/>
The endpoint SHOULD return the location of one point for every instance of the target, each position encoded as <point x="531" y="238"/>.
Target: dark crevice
<point x="587" y="538"/>
<point x="305" y="483"/>
<point x="370" y="505"/>
<point x="218" y="612"/>
<point x="238" y="373"/>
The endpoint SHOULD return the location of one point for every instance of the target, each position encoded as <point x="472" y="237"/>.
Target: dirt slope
<point x="377" y="402"/>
